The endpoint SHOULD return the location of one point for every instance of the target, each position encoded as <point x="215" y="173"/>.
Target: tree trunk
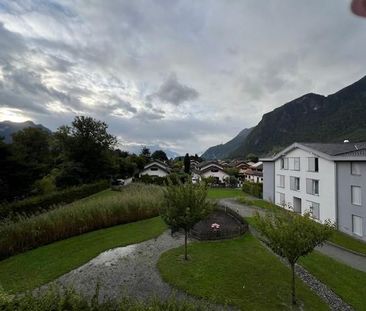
<point x="293" y="284"/>
<point x="185" y="244"/>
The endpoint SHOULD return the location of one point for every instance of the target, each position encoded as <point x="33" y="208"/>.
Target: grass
<point x="256" y="202"/>
<point x="238" y="272"/>
<point x="135" y="202"/>
<point x="222" y="193"/>
<point x="348" y="242"/>
<point x="42" y="265"/>
<point x="348" y="283"/>
<point x="338" y="237"/>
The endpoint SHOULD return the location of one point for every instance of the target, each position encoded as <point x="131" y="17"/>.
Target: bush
<point x="255" y="189"/>
<point x="134" y="202"/>
<point x="69" y="300"/>
<point x="36" y="204"/>
<point x="175" y="179"/>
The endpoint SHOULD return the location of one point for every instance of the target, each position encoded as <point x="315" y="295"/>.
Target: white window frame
<point x="297" y="166"/>
<point x="311" y="164"/>
<point x="314" y="209"/>
<point x="311" y="189"/>
<point x="281" y="181"/>
<point x="354" y="171"/>
<point x="281" y="198"/>
<point x="356" y="199"/>
<point x="359" y="230"/>
<point x="295" y="183"/>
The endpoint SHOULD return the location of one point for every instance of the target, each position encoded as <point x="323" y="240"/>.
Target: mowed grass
<point x="348" y="242"/>
<point x="222" y="193"/>
<point x="238" y="272"/>
<point x="346" y="282"/>
<point x="39" y="266"/>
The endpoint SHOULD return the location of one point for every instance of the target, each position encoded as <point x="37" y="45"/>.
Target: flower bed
<point x="220" y="224"/>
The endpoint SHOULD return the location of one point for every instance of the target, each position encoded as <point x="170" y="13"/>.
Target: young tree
<point x="187" y="164"/>
<point x="159" y="155"/>
<point x="292" y="236"/>
<point x="185" y="205"/>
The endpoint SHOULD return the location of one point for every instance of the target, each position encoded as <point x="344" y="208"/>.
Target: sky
<point x="180" y="75"/>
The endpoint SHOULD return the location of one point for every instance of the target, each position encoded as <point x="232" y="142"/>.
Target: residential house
<point x="156" y="168"/>
<point x="328" y="180"/>
<point x="210" y="169"/>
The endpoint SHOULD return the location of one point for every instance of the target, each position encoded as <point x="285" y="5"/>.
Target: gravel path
<point x="128" y="271"/>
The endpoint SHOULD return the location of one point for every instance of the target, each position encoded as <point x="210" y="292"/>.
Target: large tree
<point x="31" y="149"/>
<point x="185" y="205"/>
<point x="159" y="155"/>
<point x="292" y="236"/>
<point x="86" y="144"/>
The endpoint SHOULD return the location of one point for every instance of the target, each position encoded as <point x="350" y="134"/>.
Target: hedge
<point x="36" y="204"/>
<point x="255" y="189"/>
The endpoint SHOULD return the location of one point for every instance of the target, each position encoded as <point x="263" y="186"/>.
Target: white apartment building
<point x="328" y="180"/>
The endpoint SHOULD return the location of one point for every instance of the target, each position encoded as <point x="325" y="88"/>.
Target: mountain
<point x="223" y="151"/>
<point x="310" y="118"/>
<point x="7" y="128"/>
<point x="137" y="149"/>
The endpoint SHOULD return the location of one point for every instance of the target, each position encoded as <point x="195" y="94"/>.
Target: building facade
<point x="327" y="180"/>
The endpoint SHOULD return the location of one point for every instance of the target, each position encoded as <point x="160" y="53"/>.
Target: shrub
<point x="134" y="202"/>
<point x="36" y="204"/>
<point x="69" y="300"/>
<point x="255" y="189"/>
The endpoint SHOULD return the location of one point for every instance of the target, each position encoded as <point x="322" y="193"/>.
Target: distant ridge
<point x="309" y="118"/>
<point x="223" y="151"/>
<point x="7" y="128"/>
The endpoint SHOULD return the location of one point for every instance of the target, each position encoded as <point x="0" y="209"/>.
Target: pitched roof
<point x="331" y="151"/>
<point x="336" y="149"/>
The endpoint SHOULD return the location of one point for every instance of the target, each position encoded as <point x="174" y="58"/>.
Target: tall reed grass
<point x="134" y="202"/>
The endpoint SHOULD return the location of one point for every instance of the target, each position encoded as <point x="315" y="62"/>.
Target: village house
<point x="327" y="180"/>
<point x="156" y="168"/>
<point x="209" y="169"/>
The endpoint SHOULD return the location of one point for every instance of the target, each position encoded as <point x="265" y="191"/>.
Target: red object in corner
<point x="358" y="7"/>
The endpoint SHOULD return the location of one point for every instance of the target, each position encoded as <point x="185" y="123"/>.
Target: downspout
<point x="336" y="194"/>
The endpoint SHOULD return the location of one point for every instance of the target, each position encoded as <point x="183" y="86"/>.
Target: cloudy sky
<point x="183" y="75"/>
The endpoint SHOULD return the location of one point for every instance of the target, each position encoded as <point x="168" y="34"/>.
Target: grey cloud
<point x="174" y="92"/>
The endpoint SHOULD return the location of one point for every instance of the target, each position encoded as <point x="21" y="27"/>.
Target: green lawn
<point x="348" y="283"/>
<point x="41" y="265"/>
<point x="238" y="272"/>
<point x="221" y="193"/>
<point x="349" y="242"/>
<point x="338" y="237"/>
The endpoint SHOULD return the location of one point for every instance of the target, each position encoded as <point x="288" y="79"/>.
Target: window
<point x="297" y="164"/>
<point x="357" y="225"/>
<point x="355" y="168"/>
<point x="314" y="209"/>
<point x="294" y="183"/>
<point x="312" y="186"/>
<point x="284" y="163"/>
<point x="154" y="169"/>
<point x="356" y="195"/>
<point x="281" y="181"/>
<point x="281" y="198"/>
<point x="313" y="164"/>
<point x="214" y="170"/>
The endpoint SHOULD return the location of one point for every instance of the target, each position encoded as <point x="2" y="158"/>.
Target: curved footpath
<point x="129" y="271"/>
<point x="351" y="259"/>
